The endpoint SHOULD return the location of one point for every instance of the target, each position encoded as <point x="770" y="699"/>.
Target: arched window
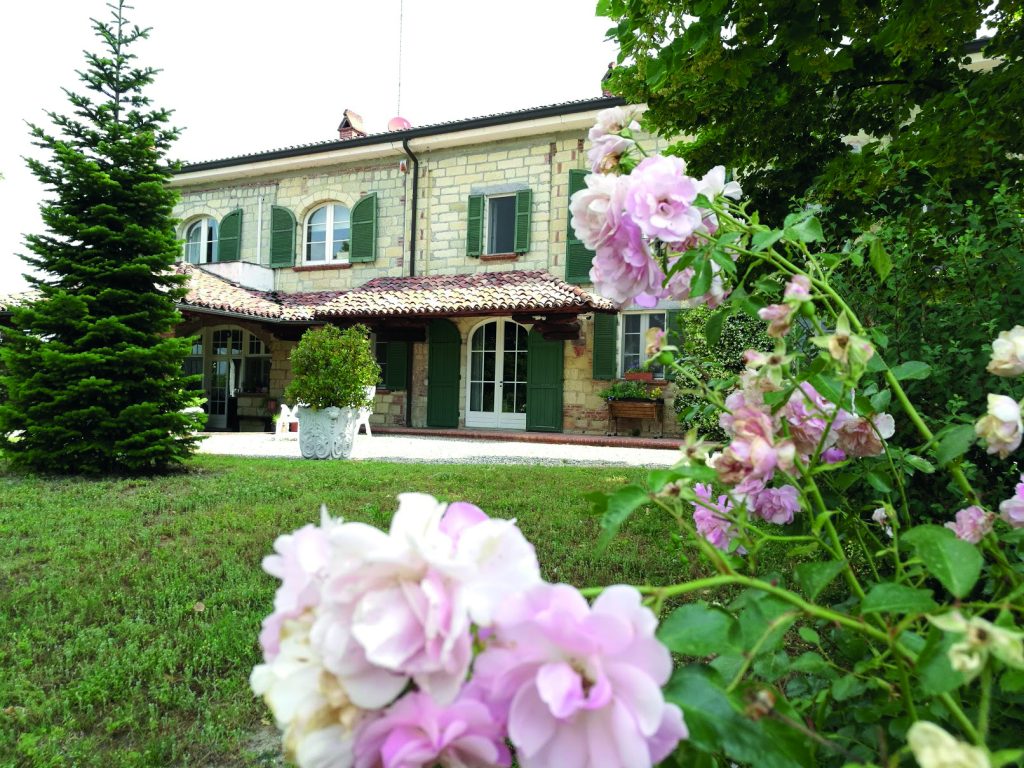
<point x="201" y="241"/>
<point x="328" y="233"/>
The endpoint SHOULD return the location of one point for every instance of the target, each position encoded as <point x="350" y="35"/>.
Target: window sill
<point x="318" y="267"/>
<point x="499" y="257"/>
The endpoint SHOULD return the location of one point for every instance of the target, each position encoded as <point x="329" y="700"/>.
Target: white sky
<point x="251" y="75"/>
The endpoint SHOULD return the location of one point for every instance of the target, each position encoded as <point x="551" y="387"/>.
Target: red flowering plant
<point x="883" y="638"/>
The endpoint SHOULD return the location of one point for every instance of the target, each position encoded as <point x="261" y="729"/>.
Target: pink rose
<point x="581" y="684"/>
<point x="660" y="199"/>
<point x="779" y="318"/>
<point x="972" y="524"/>
<point x="777" y="505"/>
<point x="862" y="437"/>
<point x="417" y="731"/>
<point x="1012" y="510"/>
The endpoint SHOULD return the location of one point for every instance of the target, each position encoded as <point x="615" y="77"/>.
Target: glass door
<point x="496" y="397"/>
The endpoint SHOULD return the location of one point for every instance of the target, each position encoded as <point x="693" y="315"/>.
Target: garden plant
<point x="888" y="638"/>
<point x="92" y="374"/>
<point x="332" y="370"/>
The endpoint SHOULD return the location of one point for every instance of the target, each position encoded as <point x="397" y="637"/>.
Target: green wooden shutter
<point x="229" y="248"/>
<point x="578" y="257"/>
<point x="282" y="237"/>
<point x="606" y="336"/>
<point x="524" y="204"/>
<point x="545" y="368"/>
<point x="443" y="351"/>
<point x="475" y="228"/>
<point x="364" y="229"/>
<point x="673" y="328"/>
<point x="397" y="356"/>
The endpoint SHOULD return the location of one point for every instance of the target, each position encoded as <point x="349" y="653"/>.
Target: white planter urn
<point x="326" y="433"/>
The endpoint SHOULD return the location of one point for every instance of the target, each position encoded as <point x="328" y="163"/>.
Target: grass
<point x="129" y="609"/>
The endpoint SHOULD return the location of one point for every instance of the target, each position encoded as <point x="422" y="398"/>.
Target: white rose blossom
<point x="934" y="748"/>
<point x="1001" y="427"/>
<point x="980" y="639"/>
<point x="1008" y="353"/>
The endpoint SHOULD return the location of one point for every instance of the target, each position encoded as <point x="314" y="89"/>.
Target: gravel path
<point x="439" y="450"/>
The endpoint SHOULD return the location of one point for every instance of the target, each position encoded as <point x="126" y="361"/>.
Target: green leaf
<point x="847" y="687"/>
<point x="1007" y="757"/>
<point x="702" y="280"/>
<point x="765" y="238"/>
<point x="618" y="507"/>
<point x="913" y="369"/>
<point x="922" y="465"/>
<point x="879" y="259"/>
<point x="718" y="724"/>
<point x="698" y="629"/>
<point x="804" y="227"/>
<point x="880" y="400"/>
<point x="897" y="598"/>
<point x="713" y="329"/>
<point x="814" y="577"/>
<point x="810" y="662"/>
<point x="1012" y="681"/>
<point x="955" y="563"/>
<point x="936" y="674"/>
<point x="604" y="8"/>
<point x="955" y="443"/>
<point x="879" y="480"/>
<point x="659" y="478"/>
<point x="808" y="635"/>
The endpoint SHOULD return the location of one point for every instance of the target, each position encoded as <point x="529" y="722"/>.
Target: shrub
<point x="332" y="367"/>
<point x="715" y="367"/>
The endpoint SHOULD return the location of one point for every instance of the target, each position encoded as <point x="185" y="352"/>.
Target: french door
<point x="496" y="394"/>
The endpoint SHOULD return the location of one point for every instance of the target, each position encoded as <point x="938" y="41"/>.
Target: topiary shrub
<point x="715" y="366"/>
<point x="332" y="367"/>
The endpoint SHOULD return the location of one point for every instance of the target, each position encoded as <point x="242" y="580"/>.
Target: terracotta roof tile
<point x="435" y="295"/>
<point x="485" y="293"/>
<point x="213" y="292"/>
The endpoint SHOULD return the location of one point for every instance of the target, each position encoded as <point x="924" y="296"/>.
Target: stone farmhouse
<point x="450" y="242"/>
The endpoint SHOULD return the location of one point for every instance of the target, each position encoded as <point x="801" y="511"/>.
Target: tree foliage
<point x="774" y="88"/>
<point x="93" y="375"/>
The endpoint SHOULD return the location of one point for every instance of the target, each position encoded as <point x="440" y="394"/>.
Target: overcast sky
<point x="252" y="75"/>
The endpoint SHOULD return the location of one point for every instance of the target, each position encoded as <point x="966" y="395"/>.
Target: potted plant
<point x="639" y="374"/>
<point x="331" y="372"/>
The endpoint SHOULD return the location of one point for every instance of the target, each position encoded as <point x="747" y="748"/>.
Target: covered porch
<point x="479" y="351"/>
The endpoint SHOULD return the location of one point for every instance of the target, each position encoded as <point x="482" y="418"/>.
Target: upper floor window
<point x="501" y="224"/>
<point x="201" y="241"/>
<point x="328" y="233"/>
<point x="499" y="221"/>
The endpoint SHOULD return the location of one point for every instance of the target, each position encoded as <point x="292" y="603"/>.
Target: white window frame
<point x="487" y="223"/>
<point x="645" y="326"/>
<point x="329" y="246"/>
<point x="208" y="224"/>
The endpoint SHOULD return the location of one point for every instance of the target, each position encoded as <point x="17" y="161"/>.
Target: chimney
<point x="351" y="126"/>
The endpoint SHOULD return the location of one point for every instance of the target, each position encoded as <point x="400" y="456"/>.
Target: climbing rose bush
<point x="872" y="637"/>
<point x="830" y="624"/>
<point x="438" y="642"/>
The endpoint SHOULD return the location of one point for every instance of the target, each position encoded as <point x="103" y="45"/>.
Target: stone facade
<point x="449" y="173"/>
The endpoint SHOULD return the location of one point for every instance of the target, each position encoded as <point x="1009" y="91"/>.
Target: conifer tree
<point x="94" y="377"/>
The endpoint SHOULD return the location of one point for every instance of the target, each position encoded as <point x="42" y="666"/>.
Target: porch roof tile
<point x="433" y="295"/>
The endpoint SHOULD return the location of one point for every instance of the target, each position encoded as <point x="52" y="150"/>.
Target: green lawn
<point x="129" y="609"/>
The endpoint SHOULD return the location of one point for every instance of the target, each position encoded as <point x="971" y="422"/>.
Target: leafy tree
<point x="772" y="88"/>
<point x="93" y="375"/>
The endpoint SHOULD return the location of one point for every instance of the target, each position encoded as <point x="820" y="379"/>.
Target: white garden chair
<point x="287" y="417"/>
<point x="363" y="417"/>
